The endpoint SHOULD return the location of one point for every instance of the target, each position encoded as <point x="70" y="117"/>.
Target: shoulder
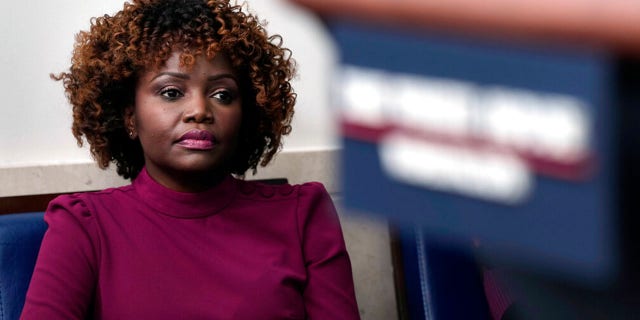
<point x="314" y="200"/>
<point x="81" y="205"/>
<point x="312" y="189"/>
<point x="263" y="191"/>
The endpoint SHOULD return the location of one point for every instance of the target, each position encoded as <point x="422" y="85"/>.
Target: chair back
<point x="20" y="238"/>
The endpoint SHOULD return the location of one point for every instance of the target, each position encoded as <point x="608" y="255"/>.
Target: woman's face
<point x="188" y="121"/>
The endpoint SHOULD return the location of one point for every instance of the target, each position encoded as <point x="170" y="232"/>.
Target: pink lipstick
<point x="197" y="140"/>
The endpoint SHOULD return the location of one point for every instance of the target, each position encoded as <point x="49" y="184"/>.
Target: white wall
<point x="37" y="39"/>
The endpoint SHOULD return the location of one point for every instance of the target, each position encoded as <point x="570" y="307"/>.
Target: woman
<point x="181" y="95"/>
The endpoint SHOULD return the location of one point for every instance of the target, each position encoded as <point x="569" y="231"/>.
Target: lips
<point x="197" y="140"/>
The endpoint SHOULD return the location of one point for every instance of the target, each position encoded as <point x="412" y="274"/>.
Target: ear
<point x="130" y="122"/>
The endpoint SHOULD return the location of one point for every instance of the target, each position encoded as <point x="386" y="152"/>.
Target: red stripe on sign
<point x="579" y="167"/>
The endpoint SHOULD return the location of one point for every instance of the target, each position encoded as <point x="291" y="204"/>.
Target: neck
<point x="190" y="182"/>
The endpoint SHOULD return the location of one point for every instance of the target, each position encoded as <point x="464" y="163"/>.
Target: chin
<point x="203" y="167"/>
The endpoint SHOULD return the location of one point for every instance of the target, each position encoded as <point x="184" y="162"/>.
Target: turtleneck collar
<point x="184" y="204"/>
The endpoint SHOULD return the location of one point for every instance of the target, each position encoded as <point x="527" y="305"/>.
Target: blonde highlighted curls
<point x="108" y="58"/>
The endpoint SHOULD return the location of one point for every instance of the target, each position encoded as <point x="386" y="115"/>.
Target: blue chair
<point x="20" y="238"/>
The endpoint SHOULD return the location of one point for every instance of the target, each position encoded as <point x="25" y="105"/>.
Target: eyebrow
<point x="185" y="76"/>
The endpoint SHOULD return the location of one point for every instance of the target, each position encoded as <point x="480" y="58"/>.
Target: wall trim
<point x="298" y="166"/>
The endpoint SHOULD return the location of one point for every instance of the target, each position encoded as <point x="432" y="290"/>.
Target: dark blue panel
<point x="540" y="68"/>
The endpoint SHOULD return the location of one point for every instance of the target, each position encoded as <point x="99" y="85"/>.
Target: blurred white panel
<point x="314" y="125"/>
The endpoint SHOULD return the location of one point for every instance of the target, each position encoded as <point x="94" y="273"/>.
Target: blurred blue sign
<point x="508" y="145"/>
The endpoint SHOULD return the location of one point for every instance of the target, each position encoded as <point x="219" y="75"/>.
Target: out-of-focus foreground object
<point x="613" y="23"/>
<point x="512" y="124"/>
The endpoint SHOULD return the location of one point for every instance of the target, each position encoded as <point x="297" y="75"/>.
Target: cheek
<point x="153" y="121"/>
<point x="232" y="121"/>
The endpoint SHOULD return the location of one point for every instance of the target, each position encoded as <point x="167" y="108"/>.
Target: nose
<point x="198" y="110"/>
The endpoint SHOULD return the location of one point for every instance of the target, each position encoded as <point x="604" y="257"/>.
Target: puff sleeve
<point x="63" y="282"/>
<point x="329" y="291"/>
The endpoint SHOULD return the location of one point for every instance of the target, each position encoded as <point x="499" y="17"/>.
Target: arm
<point x="64" y="277"/>
<point x="329" y="292"/>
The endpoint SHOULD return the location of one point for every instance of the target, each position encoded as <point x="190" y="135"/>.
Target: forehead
<point x="188" y="62"/>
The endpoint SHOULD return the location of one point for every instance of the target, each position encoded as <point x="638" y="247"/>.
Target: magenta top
<point x="242" y="250"/>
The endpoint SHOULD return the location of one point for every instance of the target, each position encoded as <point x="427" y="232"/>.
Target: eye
<point x="171" y="93"/>
<point x="224" y="96"/>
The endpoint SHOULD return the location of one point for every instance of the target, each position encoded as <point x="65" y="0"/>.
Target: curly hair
<point x="107" y="60"/>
